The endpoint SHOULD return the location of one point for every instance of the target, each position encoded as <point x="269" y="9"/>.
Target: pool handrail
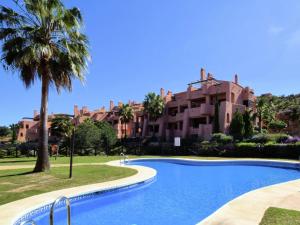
<point x="124" y="157"/>
<point x="68" y="209"/>
<point x="28" y="221"/>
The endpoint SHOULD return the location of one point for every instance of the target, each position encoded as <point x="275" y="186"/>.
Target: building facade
<point x="191" y="113"/>
<point x="188" y="113"/>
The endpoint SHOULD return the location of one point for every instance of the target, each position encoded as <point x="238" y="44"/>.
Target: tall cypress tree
<point x="237" y="126"/>
<point x="216" y="122"/>
<point x="248" y="124"/>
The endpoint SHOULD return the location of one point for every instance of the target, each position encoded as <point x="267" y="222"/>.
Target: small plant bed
<point x="22" y="183"/>
<point x="278" y="216"/>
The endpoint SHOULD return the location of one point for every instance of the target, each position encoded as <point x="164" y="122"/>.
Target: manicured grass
<point x="98" y="159"/>
<point x="277" y="216"/>
<point x="22" y="183"/>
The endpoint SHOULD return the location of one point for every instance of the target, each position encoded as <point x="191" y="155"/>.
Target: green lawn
<point x="21" y="183"/>
<point x="277" y="216"/>
<point x="95" y="159"/>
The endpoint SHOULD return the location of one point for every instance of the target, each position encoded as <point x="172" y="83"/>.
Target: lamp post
<point x="72" y="144"/>
<point x="71" y="152"/>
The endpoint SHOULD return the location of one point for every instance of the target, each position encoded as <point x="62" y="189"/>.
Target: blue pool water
<point x="180" y="195"/>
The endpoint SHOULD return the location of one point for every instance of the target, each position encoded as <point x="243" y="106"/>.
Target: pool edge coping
<point x="12" y="211"/>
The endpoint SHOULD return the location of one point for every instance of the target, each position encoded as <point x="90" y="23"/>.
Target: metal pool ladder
<point x="124" y="158"/>
<point x="28" y="222"/>
<point x="68" y="208"/>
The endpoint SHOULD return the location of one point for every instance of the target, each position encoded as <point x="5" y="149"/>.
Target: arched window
<point x="21" y="134"/>
<point x="27" y="126"/>
<point x="228" y="118"/>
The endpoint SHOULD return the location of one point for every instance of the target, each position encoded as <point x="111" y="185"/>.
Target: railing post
<point x="68" y="209"/>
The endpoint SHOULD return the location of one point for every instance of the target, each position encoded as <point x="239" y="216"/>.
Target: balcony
<point x="195" y="112"/>
<point x="206" y="109"/>
<point x="179" y="116"/>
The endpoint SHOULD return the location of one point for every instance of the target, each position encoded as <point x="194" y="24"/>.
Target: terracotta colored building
<point x="188" y="113"/>
<point x="192" y="112"/>
<point x="29" y="127"/>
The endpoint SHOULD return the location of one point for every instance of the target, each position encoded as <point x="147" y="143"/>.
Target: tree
<point x="87" y="136"/>
<point x="14" y="130"/>
<point x="153" y="106"/>
<point x="277" y="125"/>
<point x="43" y="40"/>
<point x="248" y="121"/>
<point x="265" y="111"/>
<point x="4" y="131"/>
<point x="216" y="123"/>
<point x="62" y="128"/>
<point x="237" y="126"/>
<point x="108" y="136"/>
<point x="126" y="115"/>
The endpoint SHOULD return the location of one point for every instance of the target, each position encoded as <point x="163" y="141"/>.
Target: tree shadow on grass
<point x="18" y="174"/>
<point x="17" y="161"/>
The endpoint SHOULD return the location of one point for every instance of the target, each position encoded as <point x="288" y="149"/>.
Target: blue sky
<point x="138" y="46"/>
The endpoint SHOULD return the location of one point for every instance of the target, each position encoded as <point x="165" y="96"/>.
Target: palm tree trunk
<point x="125" y="132"/>
<point x="42" y="163"/>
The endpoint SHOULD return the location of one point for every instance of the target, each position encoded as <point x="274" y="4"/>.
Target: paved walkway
<point x="248" y="209"/>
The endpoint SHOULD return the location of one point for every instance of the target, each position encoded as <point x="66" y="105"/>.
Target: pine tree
<point x="237" y="126"/>
<point x="248" y="124"/>
<point x="216" y="123"/>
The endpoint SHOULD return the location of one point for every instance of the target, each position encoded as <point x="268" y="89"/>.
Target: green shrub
<point x="264" y="138"/>
<point x="246" y="145"/>
<point x="221" y="138"/>
<point x="2" y="153"/>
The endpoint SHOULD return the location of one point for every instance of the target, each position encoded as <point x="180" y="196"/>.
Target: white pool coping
<point x="246" y="209"/>
<point x="11" y="212"/>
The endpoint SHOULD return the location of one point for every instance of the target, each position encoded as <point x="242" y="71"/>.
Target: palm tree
<point x="126" y="115"/>
<point x="153" y="106"/>
<point x="43" y="40"/>
<point x="265" y="111"/>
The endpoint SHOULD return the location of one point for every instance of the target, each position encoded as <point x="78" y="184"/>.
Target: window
<point x="232" y="97"/>
<point x="182" y="108"/>
<point x="27" y="126"/>
<point x="197" y="102"/>
<point x="228" y="118"/>
<point x="197" y="121"/>
<point x="21" y="134"/>
<point x="173" y="111"/>
<point x="180" y="125"/>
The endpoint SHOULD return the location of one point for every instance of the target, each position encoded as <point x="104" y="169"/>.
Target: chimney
<point x="209" y="76"/>
<point x="236" y="79"/>
<point x="76" y="111"/>
<point x="111" y="105"/>
<point x="129" y="102"/>
<point x="35" y="113"/>
<point x="202" y="74"/>
<point x="84" y="109"/>
<point x="162" y="92"/>
<point x="120" y="104"/>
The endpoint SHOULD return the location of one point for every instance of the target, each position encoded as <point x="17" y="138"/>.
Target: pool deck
<point x="247" y="209"/>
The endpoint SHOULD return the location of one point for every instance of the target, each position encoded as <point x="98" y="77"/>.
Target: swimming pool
<point x="181" y="194"/>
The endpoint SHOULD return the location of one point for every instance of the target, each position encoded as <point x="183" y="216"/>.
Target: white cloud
<point x="275" y="30"/>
